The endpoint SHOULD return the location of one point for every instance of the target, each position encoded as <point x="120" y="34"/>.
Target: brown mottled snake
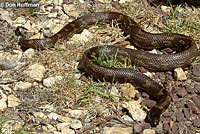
<point x="186" y="47"/>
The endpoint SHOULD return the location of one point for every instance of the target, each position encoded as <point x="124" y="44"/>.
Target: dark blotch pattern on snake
<point x="185" y="46"/>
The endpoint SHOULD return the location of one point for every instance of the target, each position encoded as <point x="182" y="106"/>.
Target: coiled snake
<point x="186" y="47"/>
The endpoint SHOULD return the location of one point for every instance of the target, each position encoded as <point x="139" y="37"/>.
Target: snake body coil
<point x="186" y="47"/>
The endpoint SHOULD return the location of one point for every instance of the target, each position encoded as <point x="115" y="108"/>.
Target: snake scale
<point x="184" y="45"/>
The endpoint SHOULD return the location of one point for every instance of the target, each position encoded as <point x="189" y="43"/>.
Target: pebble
<point x="175" y="98"/>
<point x="53" y="116"/>
<point x="76" y="124"/>
<point x="197" y="88"/>
<point x="13" y="101"/>
<point x="149" y="131"/>
<point x="50" y="81"/>
<point x="67" y="130"/>
<point x="75" y="113"/>
<point x="179" y="74"/>
<point x="22" y="85"/>
<point x="83" y="37"/>
<point x="145" y="95"/>
<point x="40" y="115"/>
<point x="182" y="92"/>
<point x="71" y="10"/>
<point x="3" y="101"/>
<point x="166" y="115"/>
<point x="128" y="90"/>
<point x="51" y="127"/>
<point x="195" y="110"/>
<point x="36" y="72"/>
<point x="186" y="112"/>
<point x="175" y="129"/>
<point x="137" y="96"/>
<point x="134" y="108"/>
<point x="196" y="99"/>
<point x="189" y="89"/>
<point x="174" y="90"/>
<point x="196" y="69"/>
<point x="5" y="15"/>
<point x="5" y="65"/>
<point x="138" y="128"/>
<point x="20" y="20"/>
<point x="127" y="118"/>
<point x="179" y="116"/>
<point x="15" y="55"/>
<point x="166" y="9"/>
<point x="166" y="127"/>
<point x="61" y="126"/>
<point x="196" y="122"/>
<point x="29" y="53"/>
<point x="58" y="2"/>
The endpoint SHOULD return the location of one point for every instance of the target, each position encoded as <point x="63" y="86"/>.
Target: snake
<point x="185" y="47"/>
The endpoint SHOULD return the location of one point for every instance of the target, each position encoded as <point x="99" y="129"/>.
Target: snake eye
<point x="154" y="122"/>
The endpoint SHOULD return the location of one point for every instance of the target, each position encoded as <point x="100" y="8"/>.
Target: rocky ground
<point x="46" y="91"/>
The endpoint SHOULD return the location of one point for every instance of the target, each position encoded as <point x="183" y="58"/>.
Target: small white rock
<point x="134" y="108"/>
<point x="75" y="114"/>
<point x="66" y="130"/>
<point x="13" y="101"/>
<point x="22" y="85"/>
<point x="40" y="115"/>
<point x="20" y="20"/>
<point x="3" y="103"/>
<point x="6" y="65"/>
<point x="71" y="10"/>
<point x="15" y="56"/>
<point x="166" y="9"/>
<point x="50" y="127"/>
<point x="127" y="118"/>
<point x="58" y="2"/>
<point x="50" y="81"/>
<point x="76" y="124"/>
<point x="84" y="36"/>
<point x="53" y="116"/>
<point x="36" y="72"/>
<point x="29" y="53"/>
<point x="61" y="126"/>
<point x="179" y="74"/>
<point x="5" y="15"/>
<point x="128" y="90"/>
<point x="149" y="131"/>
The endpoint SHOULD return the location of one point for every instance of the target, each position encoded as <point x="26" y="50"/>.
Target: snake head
<point x="153" y="117"/>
